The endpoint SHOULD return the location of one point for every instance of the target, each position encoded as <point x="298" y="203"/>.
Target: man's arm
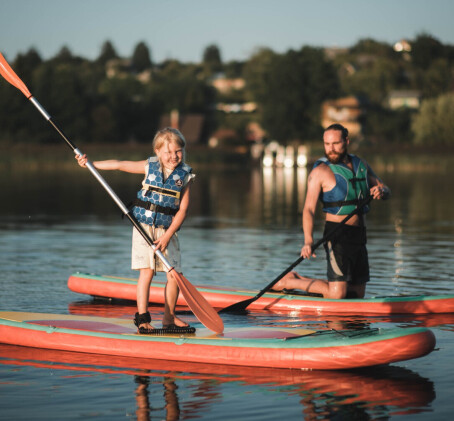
<point x="314" y="188"/>
<point x="378" y="189"/>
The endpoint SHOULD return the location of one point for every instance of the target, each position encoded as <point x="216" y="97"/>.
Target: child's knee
<point x="171" y="279"/>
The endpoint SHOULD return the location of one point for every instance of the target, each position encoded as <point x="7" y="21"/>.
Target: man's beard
<point x="335" y="158"/>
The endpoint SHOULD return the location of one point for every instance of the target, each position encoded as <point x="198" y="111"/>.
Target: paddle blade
<point x="238" y="308"/>
<point x="206" y="314"/>
<point x="8" y="73"/>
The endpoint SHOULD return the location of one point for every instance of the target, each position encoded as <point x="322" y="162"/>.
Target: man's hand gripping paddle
<point x="242" y="305"/>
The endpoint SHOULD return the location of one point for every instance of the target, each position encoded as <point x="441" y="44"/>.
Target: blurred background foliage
<point x="115" y="99"/>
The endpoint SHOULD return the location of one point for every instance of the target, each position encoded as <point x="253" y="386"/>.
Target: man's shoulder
<point x="320" y="173"/>
<point x="321" y="166"/>
<point x="358" y="158"/>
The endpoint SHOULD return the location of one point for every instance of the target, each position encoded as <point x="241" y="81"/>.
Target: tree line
<point x="115" y="99"/>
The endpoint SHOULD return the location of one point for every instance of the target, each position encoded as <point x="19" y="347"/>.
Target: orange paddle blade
<point x="11" y="77"/>
<point x="206" y="314"/>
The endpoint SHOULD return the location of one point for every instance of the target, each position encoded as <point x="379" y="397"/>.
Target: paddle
<point x="242" y="305"/>
<point x="196" y="302"/>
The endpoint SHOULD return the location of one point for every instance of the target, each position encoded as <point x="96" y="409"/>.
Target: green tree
<point x="14" y="113"/>
<point x="374" y="80"/>
<point x="179" y="87"/>
<point x="436" y="79"/>
<point x="64" y="55"/>
<point x="257" y="73"/>
<point x="233" y="69"/>
<point x="131" y="109"/>
<point x="425" y="49"/>
<point x="60" y="87"/>
<point x="26" y="64"/>
<point x="211" y="61"/>
<point x="290" y="89"/>
<point x="103" y="124"/>
<point x="369" y="46"/>
<point x="141" y="58"/>
<point x="383" y="125"/>
<point x="372" y="69"/>
<point x="18" y="120"/>
<point x="434" y="125"/>
<point x="108" y="52"/>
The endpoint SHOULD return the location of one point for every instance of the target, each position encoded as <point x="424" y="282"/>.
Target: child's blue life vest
<point x="158" y="201"/>
<point x="351" y="187"/>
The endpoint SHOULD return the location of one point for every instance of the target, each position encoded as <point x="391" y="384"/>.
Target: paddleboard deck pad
<point x="239" y="346"/>
<point x="221" y="297"/>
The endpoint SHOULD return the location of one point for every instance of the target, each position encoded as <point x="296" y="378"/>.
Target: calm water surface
<point x="243" y="230"/>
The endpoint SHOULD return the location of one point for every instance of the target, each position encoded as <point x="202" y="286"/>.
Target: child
<point x="161" y="207"/>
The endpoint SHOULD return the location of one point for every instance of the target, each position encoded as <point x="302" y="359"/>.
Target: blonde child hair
<point x="171" y="135"/>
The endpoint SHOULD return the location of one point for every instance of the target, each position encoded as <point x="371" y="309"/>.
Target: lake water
<point x="244" y="228"/>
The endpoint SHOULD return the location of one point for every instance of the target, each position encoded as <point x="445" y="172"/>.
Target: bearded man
<point x="341" y="181"/>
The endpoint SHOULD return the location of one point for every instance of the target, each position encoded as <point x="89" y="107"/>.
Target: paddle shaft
<point x="197" y="303"/>
<point x="243" y="304"/>
<point x="103" y="182"/>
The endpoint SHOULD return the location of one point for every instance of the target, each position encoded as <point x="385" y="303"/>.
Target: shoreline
<point x="388" y="158"/>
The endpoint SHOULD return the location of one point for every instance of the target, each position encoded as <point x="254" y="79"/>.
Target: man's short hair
<point x="340" y="128"/>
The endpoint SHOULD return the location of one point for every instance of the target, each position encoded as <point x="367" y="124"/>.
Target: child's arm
<point x="162" y="242"/>
<point x="135" y="167"/>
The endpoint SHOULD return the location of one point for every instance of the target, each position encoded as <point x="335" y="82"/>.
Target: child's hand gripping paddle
<point x="199" y="306"/>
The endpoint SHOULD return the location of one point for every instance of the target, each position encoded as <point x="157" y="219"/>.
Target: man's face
<point x="335" y="146"/>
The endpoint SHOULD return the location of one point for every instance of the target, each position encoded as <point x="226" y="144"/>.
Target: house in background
<point x="404" y="99"/>
<point x="226" y="85"/>
<point x="122" y="68"/>
<point x="346" y="111"/>
<point x="191" y="125"/>
<point x="222" y="137"/>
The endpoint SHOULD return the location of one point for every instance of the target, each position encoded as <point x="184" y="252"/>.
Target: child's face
<point x="170" y="155"/>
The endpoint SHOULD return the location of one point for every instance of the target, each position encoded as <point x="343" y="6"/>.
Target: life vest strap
<point x="155" y="208"/>
<point x="341" y="203"/>
<point x="354" y="180"/>
<point x="167" y="192"/>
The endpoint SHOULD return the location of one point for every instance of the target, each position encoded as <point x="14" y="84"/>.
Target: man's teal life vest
<point x="351" y="187"/>
<point x="158" y="201"/>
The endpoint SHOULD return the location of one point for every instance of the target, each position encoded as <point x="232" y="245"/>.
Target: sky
<point x="182" y="29"/>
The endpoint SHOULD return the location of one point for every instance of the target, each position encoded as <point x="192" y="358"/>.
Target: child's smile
<point x="170" y="155"/>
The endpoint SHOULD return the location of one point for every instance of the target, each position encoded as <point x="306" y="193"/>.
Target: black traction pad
<point x="171" y="330"/>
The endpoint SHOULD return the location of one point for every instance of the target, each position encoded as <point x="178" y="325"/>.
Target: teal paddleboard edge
<point x="285" y="296"/>
<point x="316" y="340"/>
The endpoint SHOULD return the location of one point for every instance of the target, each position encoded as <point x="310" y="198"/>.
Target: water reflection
<point x="244" y="228"/>
<point x="282" y="192"/>
<point x="171" y="405"/>
<point x="254" y="197"/>
<point x="188" y="389"/>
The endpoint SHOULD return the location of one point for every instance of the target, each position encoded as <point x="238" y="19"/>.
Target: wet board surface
<point x="126" y="327"/>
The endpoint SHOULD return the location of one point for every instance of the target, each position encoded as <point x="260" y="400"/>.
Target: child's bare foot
<point x="145" y="326"/>
<point x="142" y="321"/>
<point x="175" y="321"/>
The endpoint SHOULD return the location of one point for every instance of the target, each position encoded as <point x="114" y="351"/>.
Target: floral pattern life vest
<point x="158" y="200"/>
<point x="351" y="187"/>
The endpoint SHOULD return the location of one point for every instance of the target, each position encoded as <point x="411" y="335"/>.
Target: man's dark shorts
<point x="346" y="254"/>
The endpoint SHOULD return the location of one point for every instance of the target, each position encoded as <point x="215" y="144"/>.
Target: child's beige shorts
<point x="142" y="256"/>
